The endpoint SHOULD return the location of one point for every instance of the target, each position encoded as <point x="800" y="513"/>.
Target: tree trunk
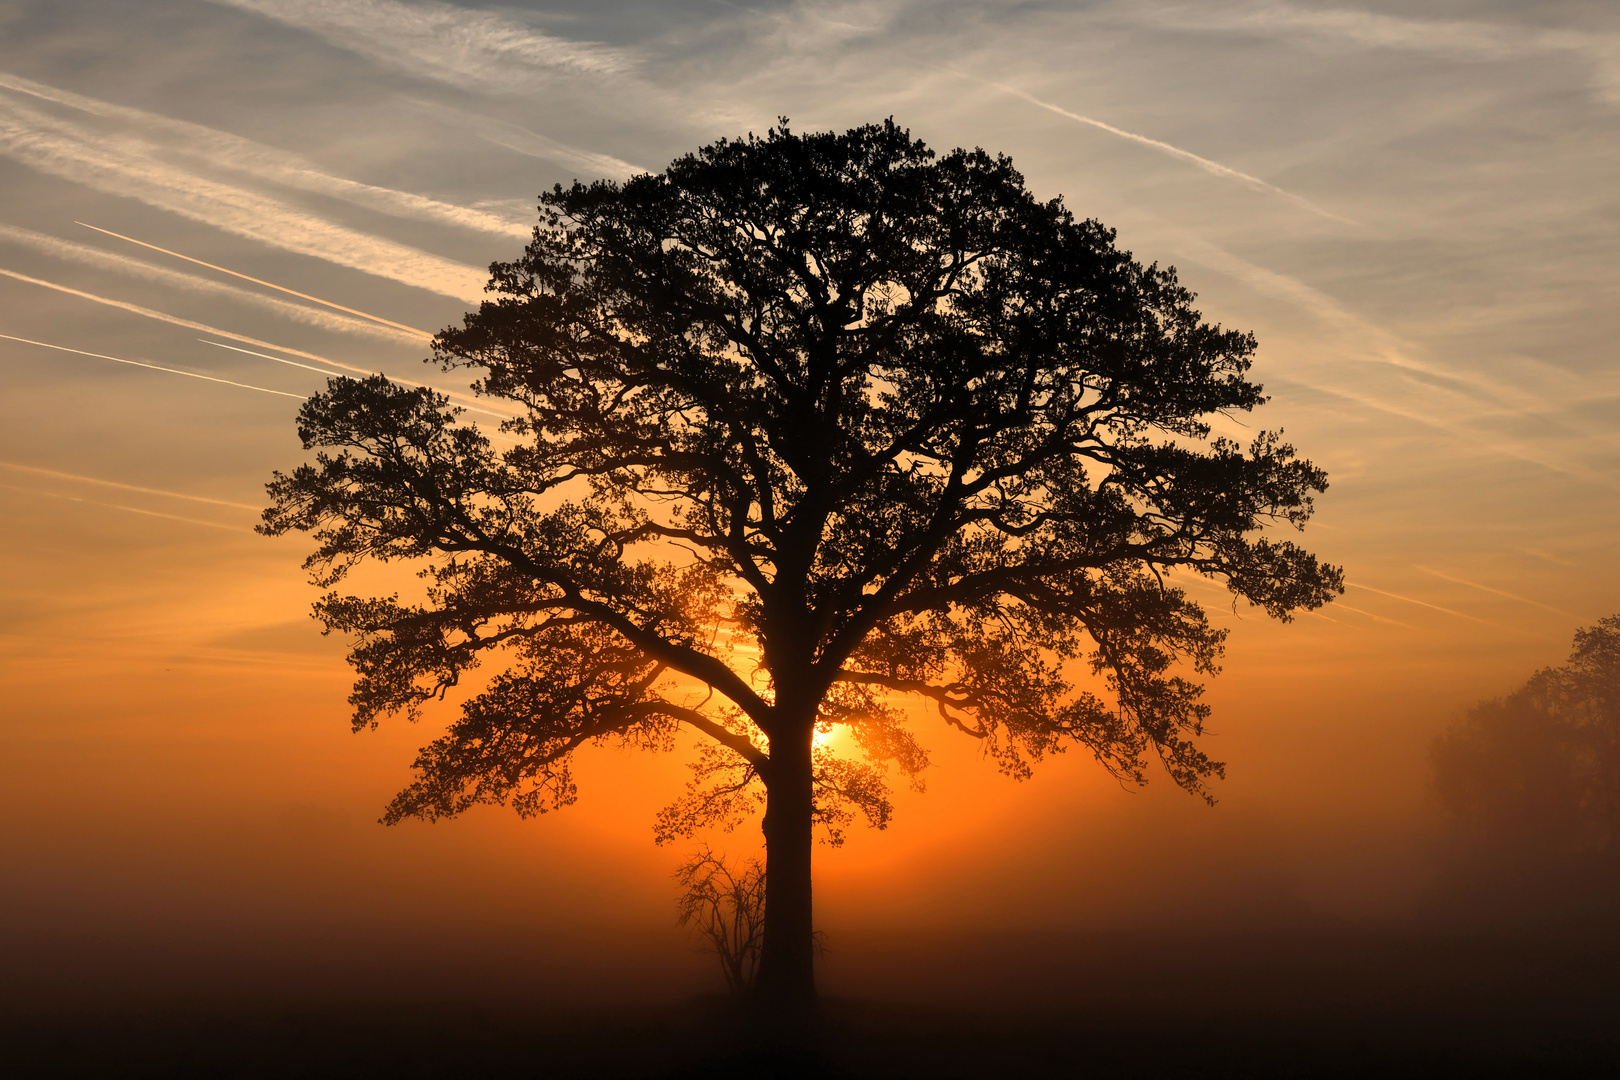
<point x="787" y="976"/>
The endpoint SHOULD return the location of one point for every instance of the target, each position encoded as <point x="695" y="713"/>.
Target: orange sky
<point x="1414" y="213"/>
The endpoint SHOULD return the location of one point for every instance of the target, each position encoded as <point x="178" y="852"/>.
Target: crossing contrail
<point x="267" y="284"/>
<point x="1346" y="607"/>
<point x="154" y="367"/>
<point x="130" y="509"/>
<point x="1498" y="592"/>
<point x="1421" y="603"/>
<point x="75" y="477"/>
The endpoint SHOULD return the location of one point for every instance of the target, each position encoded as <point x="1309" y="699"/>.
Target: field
<point x="1348" y="1005"/>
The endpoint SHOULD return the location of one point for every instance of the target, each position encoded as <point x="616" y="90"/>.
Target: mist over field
<point x="212" y="205"/>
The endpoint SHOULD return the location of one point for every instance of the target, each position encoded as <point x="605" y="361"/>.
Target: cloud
<point x="532" y="144"/>
<point x="1443" y="37"/>
<point x="1443" y="398"/>
<point x="472" y="50"/>
<point x="1366" y="28"/>
<point x="1373" y="342"/>
<point x="86" y="255"/>
<point x="221" y="149"/>
<point x="121" y="164"/>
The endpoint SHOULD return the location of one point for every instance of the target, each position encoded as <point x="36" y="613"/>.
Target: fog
<point x="1412" y="207"/>
<point x="197" y="829"/>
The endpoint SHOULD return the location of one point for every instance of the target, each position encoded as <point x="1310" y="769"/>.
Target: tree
<point x="807" y="422"/>
<point x="1532" y="780"/>
<point x="727" y="909"/>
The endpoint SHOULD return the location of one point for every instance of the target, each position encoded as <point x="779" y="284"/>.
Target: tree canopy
<point x="1537" y="773"/>
<point x="807" y="424"/>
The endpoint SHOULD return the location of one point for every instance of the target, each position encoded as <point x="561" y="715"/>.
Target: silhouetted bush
<point x="728" y="910"/>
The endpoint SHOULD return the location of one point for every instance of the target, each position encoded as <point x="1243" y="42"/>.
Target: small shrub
<point x="727" y="907"/>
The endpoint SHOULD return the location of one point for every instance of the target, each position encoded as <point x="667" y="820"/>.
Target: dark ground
<point x="1344" y="1006"/>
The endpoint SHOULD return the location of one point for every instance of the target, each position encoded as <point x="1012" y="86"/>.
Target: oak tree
<point x="808" y="425"/>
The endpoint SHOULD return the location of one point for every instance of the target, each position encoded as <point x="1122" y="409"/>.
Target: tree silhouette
<point x="809" y="422"/>
<point x="1531" y="781"/>
<point x="727" y="908"/>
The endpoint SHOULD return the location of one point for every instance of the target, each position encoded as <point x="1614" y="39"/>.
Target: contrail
<point x="1204" y="163"/>
<point x="1498" y="592"/>
<point x="1555" y="560"/>
<point x="121" y="486"/>
<point x="175" y="320"/>
<point x="339" y="375"/>
<point x="1421" y="603"/>
<point x="154" y="367"/>
<point x="58" y="248"/>
<point x="130" y="509"/>
<point x="1346" y="607"/>
<point x="266" y="284"/>
<point x="277" y="359"/>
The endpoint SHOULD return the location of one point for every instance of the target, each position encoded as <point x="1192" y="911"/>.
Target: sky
<point x="206" y="204"/>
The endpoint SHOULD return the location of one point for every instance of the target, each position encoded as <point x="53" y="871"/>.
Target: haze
<point x="1415" y="207"/>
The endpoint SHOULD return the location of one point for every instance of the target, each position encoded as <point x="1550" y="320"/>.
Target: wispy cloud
<point x="69" y="251"/>
<point x="521" y="140"/>
<point x="1366" y="28"/>
<point x="1451" y="400"/>
<point x="474" y="50"/>
<point x="1469" y="39"/>
<point x="129" y="166"/>
<point x="223" y="150"/>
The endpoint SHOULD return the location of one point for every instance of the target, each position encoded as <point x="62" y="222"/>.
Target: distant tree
<point x="1534" y="777"/>
<point x="726" y="906"/>
<point x="808" y="422"/>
